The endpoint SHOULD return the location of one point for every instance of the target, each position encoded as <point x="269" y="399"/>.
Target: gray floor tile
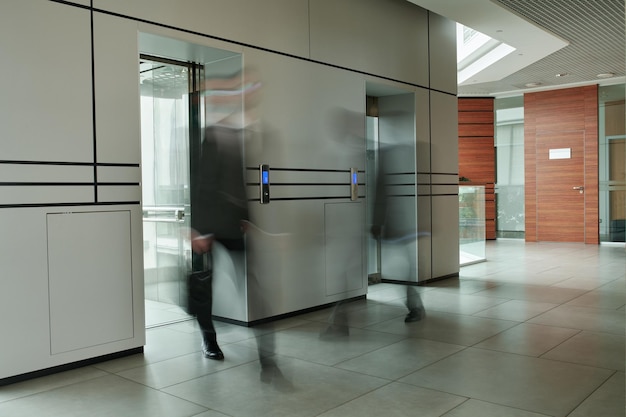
<point x="580" y="283"/>
<point x="528" y="339"/>
<point x="475" y="408"/>
<point x="462" y="286"/>
<point x="101" y="397"/>
<point x="583" y="318"/>
<point x="532" y="384"/>
<point x="458" y="303"/>
<point x="525" y="334"/>
<point x="358" y="317"/>
<point x="600" y="299"/>
<point x="516" y="310"/>
<point x="46" y="383"/>
<point x="306" y="343"/>
<point x="536" y="293"/>
<point x="183" y="368"/>
<point x="397" y="400"/>
<point x="449" y="328"/>
<point x="400" y="359"/>
<point x="307" y="390"/>
<point x="608" y="400"/>
<point x="602" y="350"/>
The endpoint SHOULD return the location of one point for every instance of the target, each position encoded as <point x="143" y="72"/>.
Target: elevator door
<point x="165" y="134"/>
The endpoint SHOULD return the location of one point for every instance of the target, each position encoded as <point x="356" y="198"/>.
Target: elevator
<point x="304" y="177"/>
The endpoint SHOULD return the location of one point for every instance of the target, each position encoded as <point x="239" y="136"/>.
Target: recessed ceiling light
<point x="562" y="74"/>
<point x="532" y="84"/>
<point x="606" y="75"/>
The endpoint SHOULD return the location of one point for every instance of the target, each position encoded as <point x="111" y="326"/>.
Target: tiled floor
<point x="538" y="330"/>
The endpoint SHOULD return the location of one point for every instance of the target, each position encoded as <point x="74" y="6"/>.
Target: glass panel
<point x="165" y="186"/>
<point x="510" y="221"/>
<point x="397" y="190"/>
<point x="612" y="162"/>
<point x="471" y="224"/>
<point x="373" y="248"/>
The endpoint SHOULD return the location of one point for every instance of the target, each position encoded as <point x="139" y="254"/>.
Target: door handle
<point x="580" y="189"/>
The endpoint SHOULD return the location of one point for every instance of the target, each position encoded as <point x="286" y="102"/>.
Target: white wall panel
<point x="116" y="55"/>
<point x="388" y="38"/>
<point x="45" y="79"/>
<point x="444" y="133"/>
<point x="281" y="25"/>
<point x="442" y="53"/>
<point x="90" y="279"/>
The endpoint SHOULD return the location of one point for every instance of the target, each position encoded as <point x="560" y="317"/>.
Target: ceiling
<point x="578" y="38"/>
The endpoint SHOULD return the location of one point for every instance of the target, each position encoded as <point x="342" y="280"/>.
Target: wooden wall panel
<point x="558" y="111"/>
<point x="477" y="152"/>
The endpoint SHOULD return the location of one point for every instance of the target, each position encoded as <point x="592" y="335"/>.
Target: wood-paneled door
<point x="560" y="169"/>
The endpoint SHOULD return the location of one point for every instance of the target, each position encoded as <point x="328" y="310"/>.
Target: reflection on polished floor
<point x="537" y="330"/>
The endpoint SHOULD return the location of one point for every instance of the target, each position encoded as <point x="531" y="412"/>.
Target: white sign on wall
<point x="562" y="153"/>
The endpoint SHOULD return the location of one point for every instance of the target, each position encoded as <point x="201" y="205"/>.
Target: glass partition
<point x="612" y="163"/>
<point x="471" y="224"/>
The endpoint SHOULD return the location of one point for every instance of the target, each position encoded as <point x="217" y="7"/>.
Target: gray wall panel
<point x="350" y="33"/>
<point x="443" y="64"/>
<point x="311" y="115"/>
<point x="445" y="235"/>
<point x="281" y="25"/>
<point x="444" y="133"/>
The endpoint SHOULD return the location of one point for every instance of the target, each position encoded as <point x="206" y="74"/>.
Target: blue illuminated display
<point x="355" y="178"/>
<point x="265" y="177"/>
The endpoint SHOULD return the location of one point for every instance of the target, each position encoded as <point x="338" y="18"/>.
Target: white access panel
<point x="90" y="279"/>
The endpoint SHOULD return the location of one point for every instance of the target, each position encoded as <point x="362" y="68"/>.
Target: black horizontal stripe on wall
<point x="73" y="204"/>
<point x="66" y="163"/>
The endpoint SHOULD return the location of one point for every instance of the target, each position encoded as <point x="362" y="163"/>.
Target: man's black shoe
<point x="211" y="350"/>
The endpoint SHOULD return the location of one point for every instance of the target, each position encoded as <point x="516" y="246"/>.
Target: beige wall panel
<point x="118" y="137"/>
<point x="280" y="25"/>
<point x="46" y="194"/>
<point x="45" y="173"/>
<point x="25" y="342"/>
<point x="119" y="174"/>
<point x="111" y="194"/>
<point x="442" y="53"/>
<point x="444" y="133"/>
<point x="387" y="38"/>
<point x="45" y="79"/>
<point x="81" y="2"/>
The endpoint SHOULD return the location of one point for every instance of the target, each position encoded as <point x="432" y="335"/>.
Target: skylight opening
<point x="476" y="52"/>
